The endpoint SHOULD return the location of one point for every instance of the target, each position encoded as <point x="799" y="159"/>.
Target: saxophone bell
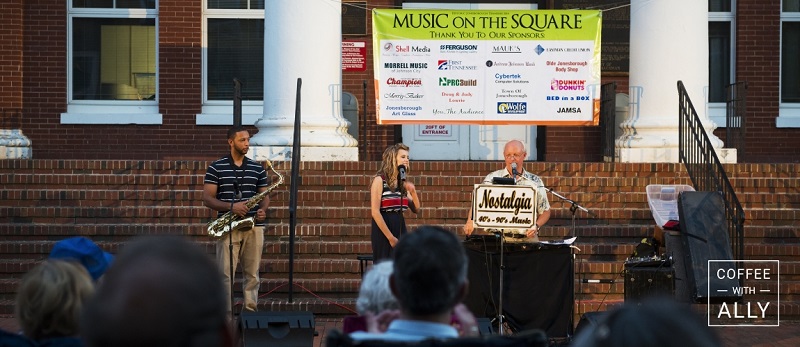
<point x="244" y="224"/>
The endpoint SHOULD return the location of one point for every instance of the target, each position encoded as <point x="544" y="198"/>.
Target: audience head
<point x="375" y="295"/>
<point x="86" y="252"/>
<point x="161" y="291"/>
<point x="430" y="271"/>
<point x="658" y="321"/>
<point x="50" y="298"/>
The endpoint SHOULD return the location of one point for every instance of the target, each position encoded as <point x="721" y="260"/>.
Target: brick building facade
<point x="35" y="64"/>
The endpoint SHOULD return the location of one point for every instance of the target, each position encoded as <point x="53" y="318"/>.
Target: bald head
<point x="514" y="146"/>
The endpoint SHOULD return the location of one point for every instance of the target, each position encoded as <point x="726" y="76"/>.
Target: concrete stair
<point x="43" y="201"/>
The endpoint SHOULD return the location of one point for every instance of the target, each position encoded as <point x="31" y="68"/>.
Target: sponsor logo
<point x="456" y="97"/>
<point x="404" y="110"/>
<point x="403" y="96"/>
<point x="506" y="49"/>
<point x="409" y="49"/>
<point x="569" y="110"/>
<point x="490" y="63"/>
<point x="502" y="76"/>
<point x="568" y="98"/>
<point x="567" y="66"/>
<point x="405" y="65"/>
<point x="512" y="107"/>
<point x="387" y="46"/>
<point x="509" y="78"/>
<point x="458" y="48"/>
<point x="454" y="65"/>
<point x="568" y="49"/>
<point x="567" y="84"/>
<point x="404" y="82"/>
<point x="454" y="111"/>
<point x="539" y="49"/>
<point x="456" y="82"/>
<point x="511" y="94"/>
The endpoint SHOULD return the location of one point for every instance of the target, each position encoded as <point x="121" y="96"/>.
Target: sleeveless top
<point x="392" y="201"/>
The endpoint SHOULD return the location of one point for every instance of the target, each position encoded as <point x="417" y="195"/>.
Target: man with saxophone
<point x="230" y="184"/>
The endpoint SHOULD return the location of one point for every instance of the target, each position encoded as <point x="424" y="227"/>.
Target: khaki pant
<point x="247" y="247"/>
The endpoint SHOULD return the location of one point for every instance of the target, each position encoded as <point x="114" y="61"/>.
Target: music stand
<point x="573" y="208"/>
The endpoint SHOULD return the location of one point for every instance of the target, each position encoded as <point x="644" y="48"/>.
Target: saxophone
<point x="229" y="221"/>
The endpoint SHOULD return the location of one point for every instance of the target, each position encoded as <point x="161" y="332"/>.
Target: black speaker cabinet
<point x="277" y="329"/>
<point x="704" y="236"/>
<point x="642" y="282"/>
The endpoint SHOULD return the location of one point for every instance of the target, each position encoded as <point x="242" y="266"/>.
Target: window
<point x="720" y="57"/>
<point x="790" y="65"/>
<point x="234" y="41"/>
<point x="112" y="59"/>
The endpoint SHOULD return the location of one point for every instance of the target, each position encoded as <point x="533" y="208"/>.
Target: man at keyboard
<point x="515" y="154"/>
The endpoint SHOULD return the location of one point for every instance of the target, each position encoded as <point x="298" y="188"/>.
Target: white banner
<point x="487" y="67"/>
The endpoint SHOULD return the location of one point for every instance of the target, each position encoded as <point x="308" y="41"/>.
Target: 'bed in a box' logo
<point x="755" y="282"/>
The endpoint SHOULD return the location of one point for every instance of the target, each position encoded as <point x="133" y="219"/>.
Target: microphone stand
<point x="230" y="256"/>
<point x="237" y="194"/>
<point x="574" y="206"/>
<point x="502" y="274"/>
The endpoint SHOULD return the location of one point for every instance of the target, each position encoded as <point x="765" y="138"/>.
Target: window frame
<point x="109" y="111"/>
<point x="716" y="111"/>
<point x="220" y="112"/>
<point x="788" y="112"/>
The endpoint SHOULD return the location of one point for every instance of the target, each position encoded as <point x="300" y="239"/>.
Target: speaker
<point x="704" y="237"/>
<point x="277" y="329"/>
<point x="646" y="281"/>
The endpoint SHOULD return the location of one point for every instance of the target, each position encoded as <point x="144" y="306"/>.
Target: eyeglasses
<point x="515" y="156"/>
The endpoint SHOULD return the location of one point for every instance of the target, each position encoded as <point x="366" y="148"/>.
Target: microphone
<point x="514" y="170"/>
<point x="401" y="175"/>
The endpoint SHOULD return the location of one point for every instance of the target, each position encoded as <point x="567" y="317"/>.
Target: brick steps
<point x="113" y="201"/>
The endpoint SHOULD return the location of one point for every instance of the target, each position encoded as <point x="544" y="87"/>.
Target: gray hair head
<point x="375" y="295"/>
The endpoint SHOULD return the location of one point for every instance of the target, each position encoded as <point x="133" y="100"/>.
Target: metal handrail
<point x="735" y="111"/>
<point x="608" y="108"/>
<point x="705" y="169"/>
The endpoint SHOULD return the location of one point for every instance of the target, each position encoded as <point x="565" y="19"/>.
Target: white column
<point x="14" y="145"/>
<point x="668" y="42"/>
<point x="302" y="39"/>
